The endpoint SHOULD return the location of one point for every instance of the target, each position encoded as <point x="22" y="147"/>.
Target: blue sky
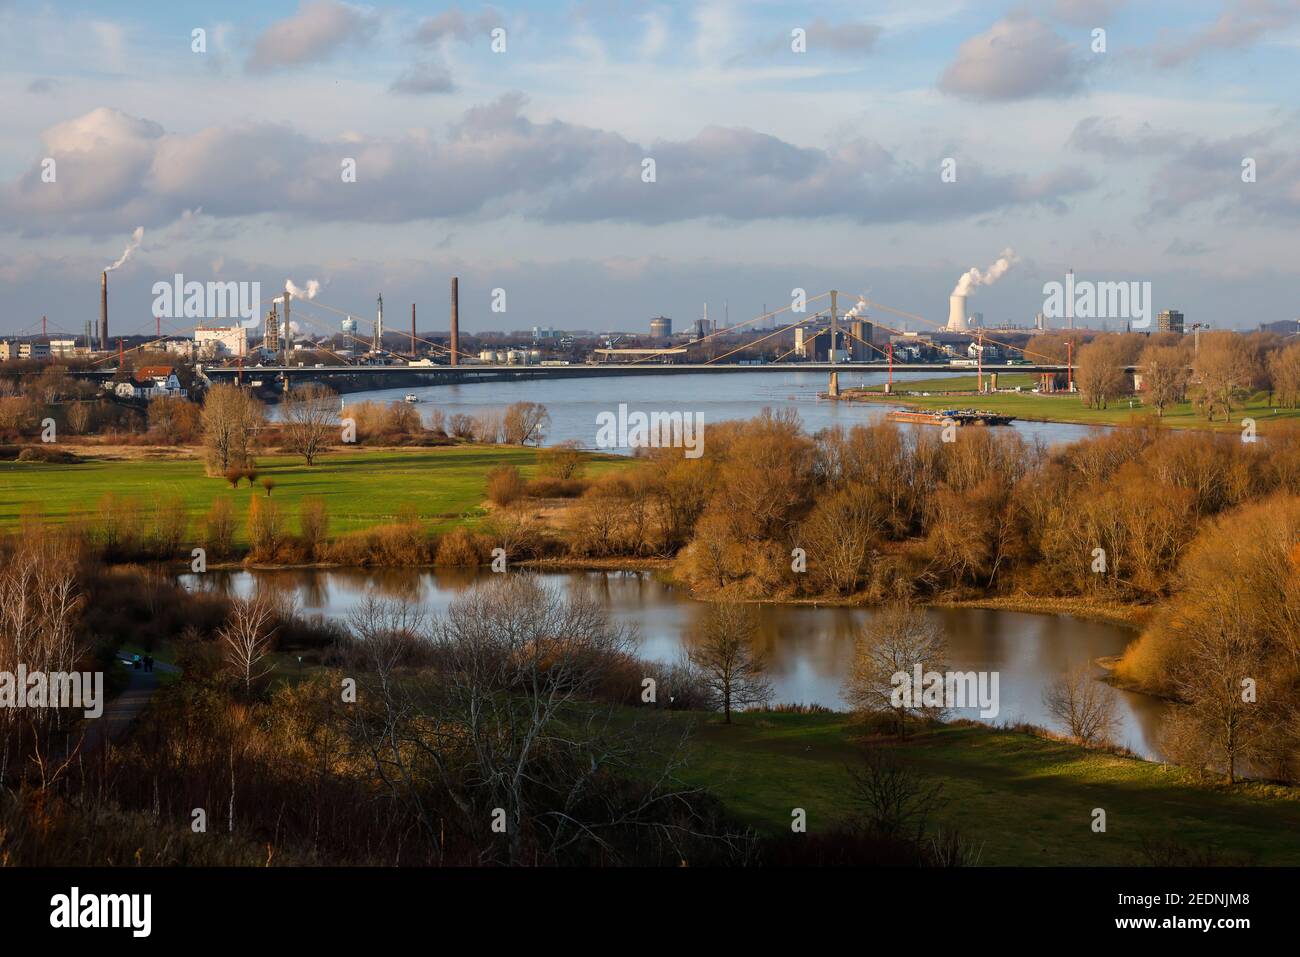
<point x="521" y="170"/>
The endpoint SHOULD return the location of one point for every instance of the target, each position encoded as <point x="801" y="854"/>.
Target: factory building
<point x="219" y="342"/>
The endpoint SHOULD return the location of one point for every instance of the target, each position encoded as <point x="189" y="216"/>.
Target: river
<point x="574" y="404"/>
<point x="809" y="649"/>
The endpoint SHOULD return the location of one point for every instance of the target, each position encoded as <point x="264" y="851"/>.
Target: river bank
<point x="1068" y="409"/>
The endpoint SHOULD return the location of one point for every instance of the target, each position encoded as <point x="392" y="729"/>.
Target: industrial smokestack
<point x="957" y="314"/>
<point x="103" y="310"/>
<point x="455" y="321"/>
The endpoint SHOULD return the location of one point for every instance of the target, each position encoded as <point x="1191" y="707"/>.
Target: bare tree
<point x="725" y="656"/>
<point x="247" y="638"/>
<point x="892" y="798"/>
<point x="232" y="417"/>
<point x="310" y="420"/>
<point x="895" y="640"/>
<point x="1088" y="708"/>
<point x="1226" y="370"/>
<point x="524" y="422"/>
<point x="1165" y="375"/>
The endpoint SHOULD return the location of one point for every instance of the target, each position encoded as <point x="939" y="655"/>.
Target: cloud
<point x="492" y="161"/>
<point x="1017" y="58"/>
<point x="424" y="77"/>
<point x="1110" y="136"/>
<point x="43" y="84"/>
<point x="1195" y="170"/>
<point x="1238" y="26"/>
<point x="1085" y="13"/>
<point x="318" y="30"/>
<point x="845" y="38"/>
<point x="454" y="24"/>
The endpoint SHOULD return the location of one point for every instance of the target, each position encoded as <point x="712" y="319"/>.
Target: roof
<point x="152" y="372"/>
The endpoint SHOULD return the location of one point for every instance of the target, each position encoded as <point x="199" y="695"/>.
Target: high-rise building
<point x="1171" y="320"/>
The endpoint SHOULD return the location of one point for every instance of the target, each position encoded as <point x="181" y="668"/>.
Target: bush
<point x="563" y="461"/>
<point x="505" y="485"/>
<point x="461" y="547"/>
<point x="547" y="487"/>
<point x="43" y="453"/>
<point x="313" y="523"/>
<point x="219" y="526"/>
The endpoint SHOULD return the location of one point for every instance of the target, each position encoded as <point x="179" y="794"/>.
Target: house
<point x="151" y="382"/>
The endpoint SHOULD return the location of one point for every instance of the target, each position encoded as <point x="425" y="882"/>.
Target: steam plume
<point x="131" y="247"/>
<point x="973" y="277"/>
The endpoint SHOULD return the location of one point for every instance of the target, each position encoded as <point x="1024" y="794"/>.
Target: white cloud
<point x="1016" y="58"/>
<point x="317" y="31"/>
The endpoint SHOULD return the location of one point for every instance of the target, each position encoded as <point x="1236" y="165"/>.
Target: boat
<point x="956" y="416"/>
<point x="412" y="397"/>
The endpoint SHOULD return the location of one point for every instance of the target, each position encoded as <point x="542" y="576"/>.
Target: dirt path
<point x="120" y="713"/>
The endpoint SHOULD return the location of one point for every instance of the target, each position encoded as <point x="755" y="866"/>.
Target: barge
<point x="956" y="416"/>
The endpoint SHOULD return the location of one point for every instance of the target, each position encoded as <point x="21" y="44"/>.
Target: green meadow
<point x="361" y="488"/>
<point x="1061" y="407"/>
<point x="1020" y="799"/>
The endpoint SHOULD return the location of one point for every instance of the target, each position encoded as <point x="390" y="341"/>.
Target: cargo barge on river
<point x="952" y="416"/>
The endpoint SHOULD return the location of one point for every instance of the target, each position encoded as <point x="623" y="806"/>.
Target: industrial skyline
<point x="772" y="169"/>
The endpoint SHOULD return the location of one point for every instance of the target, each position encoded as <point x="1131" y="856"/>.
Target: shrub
<point x="313" y="523"/>
<point x="563" y="461"/>
<point x="219" y="526"/>
<point x="461" y="547"/>
<point x="505" y="485"/>
<point x="547" y="487"/>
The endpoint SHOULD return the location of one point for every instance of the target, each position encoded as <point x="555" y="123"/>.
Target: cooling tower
<point x="957" y="314"/>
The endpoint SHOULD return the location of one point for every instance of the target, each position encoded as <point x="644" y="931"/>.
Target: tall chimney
<point x="455" y="321"/>
<point x="103" y="310"/>
<point x="285" y="333"/>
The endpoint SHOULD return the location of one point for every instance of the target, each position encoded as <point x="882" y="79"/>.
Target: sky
<point x="906" y="143"/>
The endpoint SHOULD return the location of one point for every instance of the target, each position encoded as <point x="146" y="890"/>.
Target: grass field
<point x="361" y="487"/>
<point x="1024" y="800"/>
<point x="1062" y="407"/>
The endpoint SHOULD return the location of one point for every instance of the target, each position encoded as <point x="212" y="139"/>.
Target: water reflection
<point x="809" y="648"/>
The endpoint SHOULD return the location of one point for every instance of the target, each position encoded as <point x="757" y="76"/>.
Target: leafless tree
<point x="1164" y="374"/>
<point x="893" y="642"/>
<point x="725" y="656"/>
<point x="891" y="797"/>
<point x="1088" y="708"/>
<point x="310" y="420"/>
<point x="524" y="422"/>
<point x="247" y="636"/>
<point x="232" y="417"/>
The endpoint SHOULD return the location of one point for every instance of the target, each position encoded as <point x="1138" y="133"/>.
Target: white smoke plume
<point x="313" y="287"/>
<point x="858" y="309"/>
<point x="973" y="277"/>
<point x="131" y="247"/>
<point x="293" y="289"/>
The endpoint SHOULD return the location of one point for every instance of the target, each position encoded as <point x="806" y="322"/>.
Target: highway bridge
<point x="355" y="377"/>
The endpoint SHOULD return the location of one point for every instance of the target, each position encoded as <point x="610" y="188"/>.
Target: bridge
<point x="394" y="376"/>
